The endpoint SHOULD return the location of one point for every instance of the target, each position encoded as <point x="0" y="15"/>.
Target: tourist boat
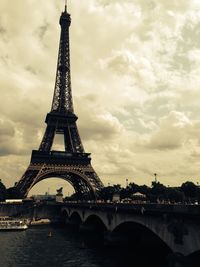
<point x="7" y="223"/>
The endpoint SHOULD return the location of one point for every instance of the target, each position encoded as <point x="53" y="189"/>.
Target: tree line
<point x="157" y="192"/>
<point x="187" y="192"/>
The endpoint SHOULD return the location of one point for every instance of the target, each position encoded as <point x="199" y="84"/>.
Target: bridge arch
<point x="139" y="230"/>
<point x="75" y="218"/>
<point x="93" y="230"/>
<point x="142" y="240"/>
<point x="96" y="222"/>
<point x="149" y="224"/>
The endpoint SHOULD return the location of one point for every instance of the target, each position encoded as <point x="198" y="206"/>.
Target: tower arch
<point x="74" y="177"/>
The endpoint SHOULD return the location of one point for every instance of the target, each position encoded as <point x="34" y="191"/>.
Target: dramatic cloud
<point x="135" y="80"/>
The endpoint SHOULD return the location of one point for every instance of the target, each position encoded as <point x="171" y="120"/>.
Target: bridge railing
<point x="147" y="208"/>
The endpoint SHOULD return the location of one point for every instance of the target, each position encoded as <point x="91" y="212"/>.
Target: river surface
<point x="33" y="247"/>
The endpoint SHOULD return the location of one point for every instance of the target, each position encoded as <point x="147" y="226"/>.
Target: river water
<point x="33" y="247"/>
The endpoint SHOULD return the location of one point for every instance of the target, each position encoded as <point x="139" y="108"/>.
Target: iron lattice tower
<point x="72" y="164"/>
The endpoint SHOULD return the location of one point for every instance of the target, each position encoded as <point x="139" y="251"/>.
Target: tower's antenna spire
<point x="65" y="5"/>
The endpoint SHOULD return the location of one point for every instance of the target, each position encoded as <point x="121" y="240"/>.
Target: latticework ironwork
<point x="62" y="100"/>
<point x="72" y="164"/>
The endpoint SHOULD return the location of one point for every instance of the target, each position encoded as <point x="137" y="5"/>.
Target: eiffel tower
<point x="72" y="164"/>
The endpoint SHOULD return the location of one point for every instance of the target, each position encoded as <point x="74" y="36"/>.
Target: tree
<point x="124" y="193"/>
<point x="117" y="188"/>
<point x="107" y="192"/>
<point x="144" y="189"/>
<point x="174" y="195"/>
<point x="132" y="188"/>
<point x="158" y="190"/>
<point x="2" y="191"/>
<point x="13" y="193"/>
<point x="190" y="190"/>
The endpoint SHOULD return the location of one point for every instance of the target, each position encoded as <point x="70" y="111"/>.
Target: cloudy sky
<point x="135" y="81"/>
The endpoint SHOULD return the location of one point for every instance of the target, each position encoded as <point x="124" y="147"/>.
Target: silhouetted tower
<point x="72" y="164"/>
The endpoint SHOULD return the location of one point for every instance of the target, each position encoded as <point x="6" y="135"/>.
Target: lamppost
<point x="155" y="174"/>
<point x="126" y="182"/>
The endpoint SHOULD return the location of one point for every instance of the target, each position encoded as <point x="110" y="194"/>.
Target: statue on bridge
<point x="59" y="191"/>
<point x="59" y="195"/>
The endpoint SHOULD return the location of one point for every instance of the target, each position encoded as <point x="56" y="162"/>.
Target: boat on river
<point x="8" y="224"/>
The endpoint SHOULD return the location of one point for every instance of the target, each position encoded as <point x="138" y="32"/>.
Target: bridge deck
<point x="175" y="209"/>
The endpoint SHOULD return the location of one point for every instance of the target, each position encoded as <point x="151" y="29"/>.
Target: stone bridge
<point x="175" y="226"/>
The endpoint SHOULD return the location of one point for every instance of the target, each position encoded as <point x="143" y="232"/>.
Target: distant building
<point x="45" y="197"/>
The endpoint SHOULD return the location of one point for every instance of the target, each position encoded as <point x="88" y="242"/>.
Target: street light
<point x="126" y="182"/>
<point x="155" y="174"/>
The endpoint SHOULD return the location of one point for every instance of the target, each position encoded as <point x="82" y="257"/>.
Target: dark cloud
<point x="42" y="30"/>
<point x="6" y="129"/>
<point x="2" y="30"/>
<point x="31" y="69"/>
